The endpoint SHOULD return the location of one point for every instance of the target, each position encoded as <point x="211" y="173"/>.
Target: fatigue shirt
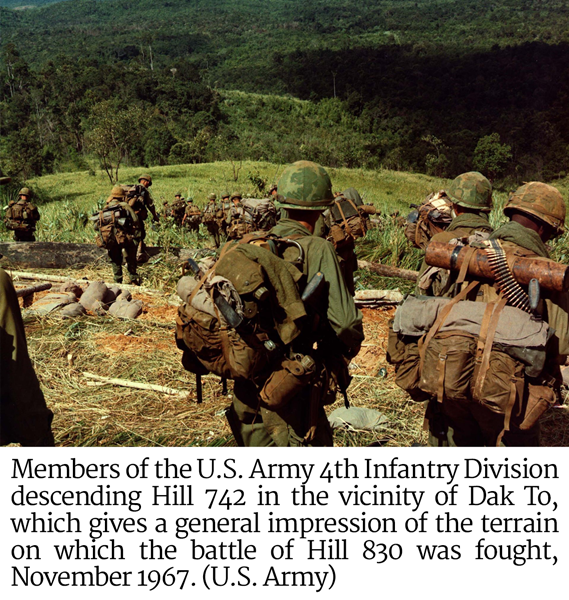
<point x="517" y="239"/>
<point x="341" y="312"/>
<point x="24" y="416"/>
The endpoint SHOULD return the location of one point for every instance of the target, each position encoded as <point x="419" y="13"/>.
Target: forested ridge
<point x="436" y="86"/>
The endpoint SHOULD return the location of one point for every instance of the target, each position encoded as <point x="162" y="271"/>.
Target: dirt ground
<point x="91" y="413"/>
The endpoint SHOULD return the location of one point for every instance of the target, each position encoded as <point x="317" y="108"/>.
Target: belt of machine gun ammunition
<point x="504" y="278"/>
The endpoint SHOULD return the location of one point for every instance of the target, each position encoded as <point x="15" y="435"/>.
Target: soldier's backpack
<point x="243" y="314"/>
<point x="21" y="216"/>
<point x="178" y="209"/>
<point x="348" y="217"/>
<point x="134" y="194"/>
<point x="458" y="350"/>
<point x="260" y="214"/>
<point x="432" y="217"/>
<point x="114" y="225"/>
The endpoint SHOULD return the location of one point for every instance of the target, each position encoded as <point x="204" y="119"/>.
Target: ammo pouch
<point x="285" y="383"/>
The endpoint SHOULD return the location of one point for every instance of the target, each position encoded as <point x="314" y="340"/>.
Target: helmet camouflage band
<point x="145" y="176"/>
<point x="471" y="190"/>
<point x="212" y="197"/>
<point x="304" y="185"/>
<point x="540" y="200"/>
<point x="25" y="192"/>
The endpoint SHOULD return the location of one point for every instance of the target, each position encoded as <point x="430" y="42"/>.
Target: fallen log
<point x="59" y="255"/>
<point x="136" y="385"/>
<point x="32" y="289"/>
<point x="388" y="271"/>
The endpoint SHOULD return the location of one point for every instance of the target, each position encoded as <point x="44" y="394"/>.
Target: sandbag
<point x="97" y="296"/>
<point x="123" y="309"/>
<point x="72" y="311"/>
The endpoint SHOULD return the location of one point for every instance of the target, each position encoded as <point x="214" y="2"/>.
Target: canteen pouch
<point x="283" y="385"/>
<point x="539" y="398"/>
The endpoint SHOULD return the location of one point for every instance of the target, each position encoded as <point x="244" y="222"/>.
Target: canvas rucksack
<point x="114" y="225"/>
<point x="457" y="350"/>
<point x="134" y="194"/>
<point x="432" y="217"/>
<point x="260" y="214"/>
<point x="243" y="317"/>
<point x="21" y="216"/>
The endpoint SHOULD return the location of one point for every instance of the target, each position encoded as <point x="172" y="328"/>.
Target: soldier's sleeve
<point x="558" y="318"/>
<point x="24" y="416"/>
<point x="343" y="316"/>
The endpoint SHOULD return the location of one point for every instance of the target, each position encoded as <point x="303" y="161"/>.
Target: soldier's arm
<point x="25" y="416"/>
<point x="150" y="205"/>
<point x="342" y="314"/>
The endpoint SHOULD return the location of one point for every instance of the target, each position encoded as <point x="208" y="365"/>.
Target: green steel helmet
<point x="147" y="177"/>
<point x="235" y="196"/>
<point x="25" y="192"/>
<point x="178" y="195"/>
<point x="5" y="180"/>
<point x="190" y="199"/>
<point x="224" y="195"/>
<point x="471" y="190"/>
<point x="304" y="185"/>
<point x="212" y="197"/>
<point x="540" y="200"/>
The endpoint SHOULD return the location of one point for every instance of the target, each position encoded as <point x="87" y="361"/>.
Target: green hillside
<point x="437" y="86"/>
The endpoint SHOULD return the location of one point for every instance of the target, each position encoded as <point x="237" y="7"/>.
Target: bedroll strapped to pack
<point x="348" y="219"/>
<point x="241" y="315"/>
<point x="453" y="349"/>
<point x="21" y="216"/>
<point x="432" y="217"/>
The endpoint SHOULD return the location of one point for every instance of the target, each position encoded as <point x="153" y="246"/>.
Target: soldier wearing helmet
<point x="537" y="214"/>
<point x="471" y="197"/>
<point x="305" y="192"/>
<point x="141" y="202"/>
<point x="117" y="228"/>
<point x="21" y="217"/>
<point x="212" y="217"/>
<point x="192" y="216"/>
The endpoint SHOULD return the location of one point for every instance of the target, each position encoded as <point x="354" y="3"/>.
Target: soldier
<point x="178" y="209"/>
<point x="225" y="208"/>
<point x="235" y="225"/>
<point x="211" y="214"/>
<point x="537" y="214"/>
<point x="192" y="216"/>
<point x="118" y="236"/>
<point x="305" y="192"/>
<point x="274" y="191"/>
<point x="141" y="204"/>
<point x="471" y="197"/>
<point x="22" y="216"/>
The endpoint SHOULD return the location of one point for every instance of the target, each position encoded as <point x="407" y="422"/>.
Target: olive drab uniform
<point x="119" y="236"/>
<point x="509" y="393"/>
<point x="470" y="191"/>
<point x="25" y="418"/>
<point x="212" y="216"/>
<point x="235" y="222"/>
<point x="192" y="216"/>
<point x="21" y="217"/>
<point x="177" y="210"/>
<point x="334" y="337"/>
<point x="141" y="202"/>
